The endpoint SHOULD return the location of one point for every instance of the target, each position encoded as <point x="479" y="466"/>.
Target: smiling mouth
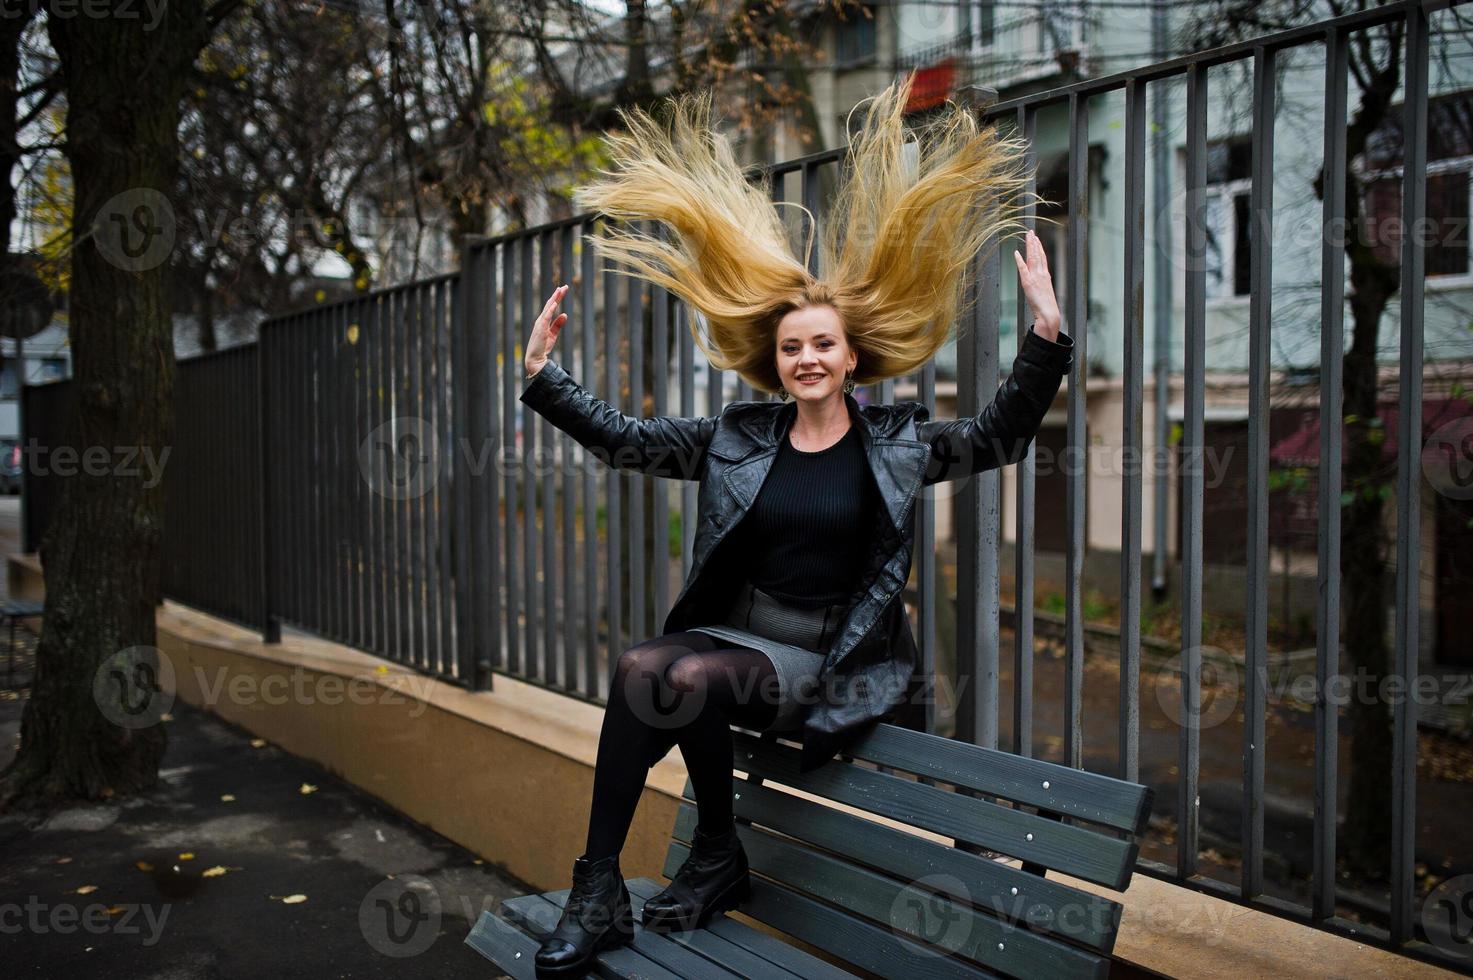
<point x="809" y="378"/>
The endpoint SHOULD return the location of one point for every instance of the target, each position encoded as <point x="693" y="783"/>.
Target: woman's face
<point x="813" y="353"/>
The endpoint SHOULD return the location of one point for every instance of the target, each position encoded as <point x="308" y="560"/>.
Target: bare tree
<point x="123" y="83"/>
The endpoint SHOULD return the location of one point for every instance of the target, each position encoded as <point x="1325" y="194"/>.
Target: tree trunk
<point x="100" y="555"/>
<point x="1363" y="576"/>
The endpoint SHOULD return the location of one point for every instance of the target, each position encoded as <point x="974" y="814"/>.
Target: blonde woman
<point x="791" y="619"/>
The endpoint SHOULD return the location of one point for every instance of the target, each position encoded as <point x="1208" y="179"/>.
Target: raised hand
<point x="544" y="332"/>
<point x="1038" y="287"/>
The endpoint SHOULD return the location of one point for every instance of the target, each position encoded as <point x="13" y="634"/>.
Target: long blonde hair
<point x="893" y="259"/>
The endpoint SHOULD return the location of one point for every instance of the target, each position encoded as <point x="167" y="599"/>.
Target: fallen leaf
<point x="86" y="889"/>
<point x="187" y="856"/>
<point x="115" y="909"/>
<point x="166" y="716"/>
<point x="257" y="743"/>
<point x="227" y="798"/>
<point x="381" y="669"/>
<point x="143" y="866"/>
<point x="293" y="899"/>
<point x="215" y="872"/>
<point x="308" y="788"/>
<point x="65" y="860"/>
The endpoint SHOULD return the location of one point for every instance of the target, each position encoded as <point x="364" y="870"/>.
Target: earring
<point x="848" y="382"/>
<point x="782" y="393"/>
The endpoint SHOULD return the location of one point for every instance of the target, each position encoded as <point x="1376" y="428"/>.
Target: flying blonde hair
<point x="893" y="258"/>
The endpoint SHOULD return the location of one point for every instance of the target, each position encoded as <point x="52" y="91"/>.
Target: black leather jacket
<point x="869" y="672"/>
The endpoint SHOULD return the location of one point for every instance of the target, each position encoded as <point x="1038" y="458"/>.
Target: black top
<point x="806" y="538"/>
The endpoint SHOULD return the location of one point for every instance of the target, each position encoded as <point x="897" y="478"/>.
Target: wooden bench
<point x="913" y="894"/>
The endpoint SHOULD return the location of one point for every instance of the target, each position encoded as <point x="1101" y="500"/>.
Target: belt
<point x="761" y="613"/>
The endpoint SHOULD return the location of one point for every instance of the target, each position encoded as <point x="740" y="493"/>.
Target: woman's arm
<point x="1003" y="430"/>
<point x="668" y="446"/>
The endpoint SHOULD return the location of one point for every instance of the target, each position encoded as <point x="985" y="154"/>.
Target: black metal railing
<point x="410" y="506"/>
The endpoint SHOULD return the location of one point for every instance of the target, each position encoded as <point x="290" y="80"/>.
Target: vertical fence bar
<point x="685" y="344"/>
<point x="512" y="372"/>
<point x="401" y="414"/>
<point x="567" y="475"/>
<point x="1409" y="479"/>
<point x="339" y="470"/>
<point x="1075" y="485"/>
<point x="388" y="312"/>
<point x="1133" y="435"/>
<point x="296" y="449"/>
<point x="612" y="487"/>
<point x="413" y="414"/>
<point x="1025" y="482"/>
<point x="1191" y="470"/>
<point x="988" y="538"/>
<point x="266" y="448"/>
<point x="972" y="705"/>
<point x="431" y="373"/>
<point x="359" y="495"/>
<point x="587" y="295"/>
<point x="926" y="572"/>
<point x="551" y="444"/>
<point x="1260" y="313"/>
<point x="1327" y="605"/>
<point x="458" y="654"/>
<point x="500" y="623"/>
<point x="659" y="379"/>
<point x="348" y="459"/>
<point x="317" y="537"/>
<point x="429" y="510"/>
<point x="375" y="592"/>
<point x="637" y="481"/>
<point x="534" y="667"/>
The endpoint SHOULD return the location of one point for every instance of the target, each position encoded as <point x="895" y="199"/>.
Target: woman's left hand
<point x="1038" y="287"/>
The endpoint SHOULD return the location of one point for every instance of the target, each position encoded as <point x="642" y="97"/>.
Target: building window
<point x="53" y="368"/>
<point x="985" y="14"/>
<point x="854" y="39"/>
<point x="1229" y="184"/>
<point x="1449" y="170"/>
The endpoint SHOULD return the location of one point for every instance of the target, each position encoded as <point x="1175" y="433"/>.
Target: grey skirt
<point x="795" y="640"/>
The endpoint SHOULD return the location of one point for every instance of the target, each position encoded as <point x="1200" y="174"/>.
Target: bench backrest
<point x="877" y="860"/>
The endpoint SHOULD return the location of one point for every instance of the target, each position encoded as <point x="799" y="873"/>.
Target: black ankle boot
<point x="596" y="917"/>
<point x="713" y="879"/>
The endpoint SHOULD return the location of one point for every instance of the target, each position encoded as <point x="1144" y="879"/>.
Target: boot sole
<point x="735" y="894"/>
<point x="615" y="938"/>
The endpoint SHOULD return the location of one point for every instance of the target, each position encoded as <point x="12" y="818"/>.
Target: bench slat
<point x="539" y="914"/>
<point x="867" y="946"/>
<point x="897" y="909"/>
<point x="1079" y="851"/>
<point x="886" y="901"/>
<point x="1001" y="889"/>
<point x="793" y="964"/>
<point x="1099" y="799"/>
<point x="504" y="944"/>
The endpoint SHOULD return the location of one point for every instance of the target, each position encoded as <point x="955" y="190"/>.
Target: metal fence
<point x="412" y="508"/>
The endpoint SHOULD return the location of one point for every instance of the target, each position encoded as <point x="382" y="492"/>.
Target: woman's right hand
<point x="544" y="332"/>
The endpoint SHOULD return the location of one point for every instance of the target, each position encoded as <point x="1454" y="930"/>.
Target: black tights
<point x="683" y="689"/>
